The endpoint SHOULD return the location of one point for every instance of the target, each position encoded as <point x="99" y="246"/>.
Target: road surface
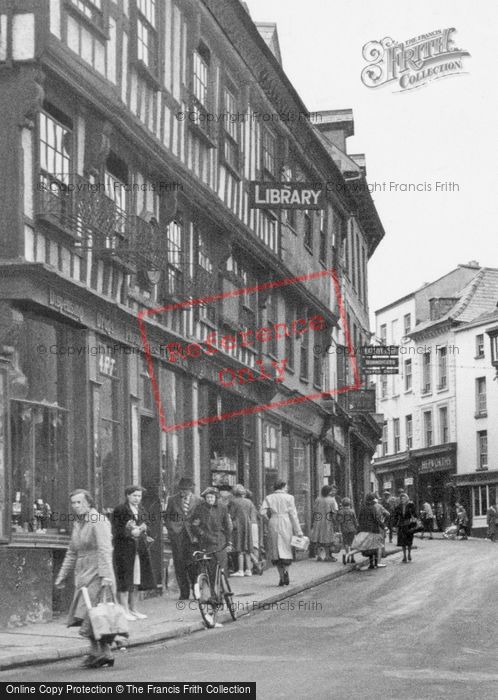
<point x="428" y="629"/>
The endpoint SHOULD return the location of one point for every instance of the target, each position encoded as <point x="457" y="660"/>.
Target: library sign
<point x="286" y="195"/>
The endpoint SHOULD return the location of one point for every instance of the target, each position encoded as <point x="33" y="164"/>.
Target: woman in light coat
<point x="89" y="556"/>
<point x="324" y="516"/>
<point x="280" y="509"/>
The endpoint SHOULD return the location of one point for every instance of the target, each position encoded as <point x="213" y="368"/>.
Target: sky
<point x="443" y="132"/>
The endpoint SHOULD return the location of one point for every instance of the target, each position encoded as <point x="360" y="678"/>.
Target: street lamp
<point x="493" y="337"/>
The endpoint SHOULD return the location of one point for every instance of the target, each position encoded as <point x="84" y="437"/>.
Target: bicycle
<point x="210" y="598"/>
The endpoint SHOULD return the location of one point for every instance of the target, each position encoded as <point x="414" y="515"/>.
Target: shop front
<point x="477" y="491"/>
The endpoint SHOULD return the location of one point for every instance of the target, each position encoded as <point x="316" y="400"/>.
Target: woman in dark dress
<point x="404" y="518"/>
<point x="370" y="520"/>
<point x="131" y="551"/>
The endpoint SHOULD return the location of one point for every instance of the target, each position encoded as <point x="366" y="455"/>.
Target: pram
<point x="451" y="532"/>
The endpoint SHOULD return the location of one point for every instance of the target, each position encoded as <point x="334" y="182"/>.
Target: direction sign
<point x="381" y="370"/>
<point x="380" y="361"/>
<point x="374" y="350"/>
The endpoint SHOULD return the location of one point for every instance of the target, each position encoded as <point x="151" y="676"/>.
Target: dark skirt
<point x="405" y="536"/>
<point x="347" y="538"/>
<point x="281" y="562"/>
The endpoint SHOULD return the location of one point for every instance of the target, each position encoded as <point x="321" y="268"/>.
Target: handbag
<point x="336" y="544"/>
<point x="300" y="543"/>
<point x="364" y="541"/>
<point x="107" y="618"/>
<point x="415" y="525"/>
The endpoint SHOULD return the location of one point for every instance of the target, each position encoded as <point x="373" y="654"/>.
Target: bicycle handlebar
<point x="204" y="553"/>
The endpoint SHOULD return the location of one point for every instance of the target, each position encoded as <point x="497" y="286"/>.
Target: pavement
<point x="167" y="617"/>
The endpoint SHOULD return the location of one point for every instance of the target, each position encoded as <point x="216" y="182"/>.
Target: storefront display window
<point x="270" y="456"/>
<point x="108" y="477"/>
<point x="39" y="417"/>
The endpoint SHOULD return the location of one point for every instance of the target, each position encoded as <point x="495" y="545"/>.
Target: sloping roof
<point x="478" y="297"/>
<point x="268" y="31"/>
<point x="482" y="320"/>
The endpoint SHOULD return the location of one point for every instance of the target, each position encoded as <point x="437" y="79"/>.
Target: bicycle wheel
<point x="228" y="595"/>
<point x="202" y="590"/>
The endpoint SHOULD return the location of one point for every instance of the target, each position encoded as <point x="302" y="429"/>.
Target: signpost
<point x="380" y="359"/>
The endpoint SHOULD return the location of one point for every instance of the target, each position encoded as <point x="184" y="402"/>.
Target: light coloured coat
<point x="90" y="557"/>
<point x="280" y="507"/>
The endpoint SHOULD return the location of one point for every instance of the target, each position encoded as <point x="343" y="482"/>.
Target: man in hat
<point x="178" y="510"/>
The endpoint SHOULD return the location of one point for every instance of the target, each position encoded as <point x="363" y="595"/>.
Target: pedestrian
<point x="132" y="563"/>
<point x="427" y="518"/>
<point x="389" y="503"/>
<point x="257" y="553"/>
<point x="210" y="529"/>
<point x="240" y="510"/>
<point x="178" y="509"/>
<point x="385" y="517"/>
<point x="462" y="521"/>
<point x="370" y="520"/>
<point x="348" y="524"/>
<point x="492" y="521"/>
<point x="322" y="532"/>
<point x="89" y="556"/>
<point x="405" y="518"/>
<point x="280" y="509"/>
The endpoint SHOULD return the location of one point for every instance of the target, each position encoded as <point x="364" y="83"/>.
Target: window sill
<point x="408" y="391"/>
<point x="145" y="72"/>
<point x="305" y="380"/>
<point x="425" y="394"/>
<point x="478" y="357"/>
<point x="481" y="414"/>
<point x="202" y="133"/>
<point x="482" y="469"/>
<point x="440" y="389"/>
<point x="233" y="171"/>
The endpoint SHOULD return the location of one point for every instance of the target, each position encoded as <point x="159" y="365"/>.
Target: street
<point x="408" y="631"/>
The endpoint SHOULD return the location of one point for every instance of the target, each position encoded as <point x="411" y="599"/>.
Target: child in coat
<point x="346" y="520"/>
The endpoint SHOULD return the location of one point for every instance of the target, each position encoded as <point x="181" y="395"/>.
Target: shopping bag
<point x="336" y="545"/>
<point x="300" y="543"/>
<point x="107" y="618"/>
<point x="364" y="541"/>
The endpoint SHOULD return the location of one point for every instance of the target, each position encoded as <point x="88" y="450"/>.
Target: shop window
<point x="270" y="447"/>
<point x="483" y="497"/>
<point x="109" y="467"/>
<point x="39" y="418"/>
<point x="3" y="450"/>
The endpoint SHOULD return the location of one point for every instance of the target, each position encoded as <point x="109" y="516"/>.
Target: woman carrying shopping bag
<point x="280" y="509"/>
<point x="89" y="556"/>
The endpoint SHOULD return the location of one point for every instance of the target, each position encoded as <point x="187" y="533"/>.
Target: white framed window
<point x="426" y="372"/>
<point x="443" y="425"/>
<point x="409" y="432"/>
<point x="269" y="152"/>
<point x="442" y="368"/>
<point x="231" y="130"/>
<point x="408" y="375"/>
<point x="481" y="399"/>
<point x="482" y="497"/>
<point x="200" y="76"/>
<point x="93" y="9"/>
<point x="482" y="449"/>
<point x="146" y="32"/>
<point x="385" y="437"/>
<point x="428" y="428"/>
<point x="479" y="346"/>
<point x="383" y="333"/>
<point x="270" y="446"/>
<point x="407" y="323"/>
<point x="308" y="229"/>
<point x="397" y="440"/>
